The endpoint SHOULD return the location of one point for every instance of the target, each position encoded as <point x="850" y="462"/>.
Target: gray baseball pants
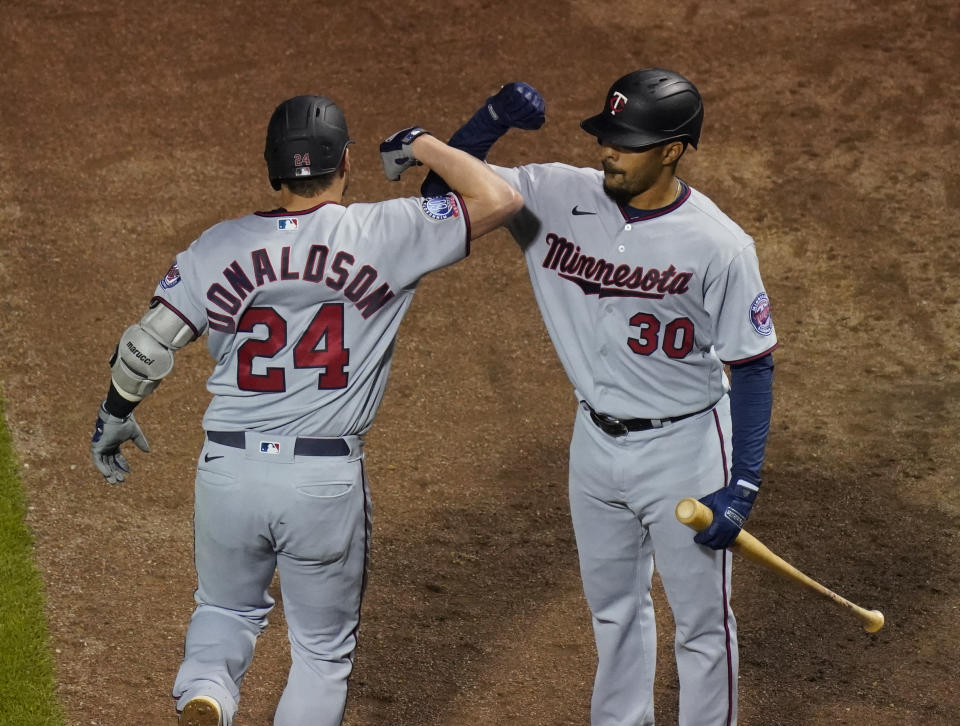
<point x="260" y="509"/>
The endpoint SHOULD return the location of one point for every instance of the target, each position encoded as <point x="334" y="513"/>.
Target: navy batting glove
<point x="731" y="506"/>
<point x="517" y="105"/>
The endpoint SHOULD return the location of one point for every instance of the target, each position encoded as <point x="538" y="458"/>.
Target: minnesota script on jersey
<point x="643" y="309"/>
<point x="304" y="306"/>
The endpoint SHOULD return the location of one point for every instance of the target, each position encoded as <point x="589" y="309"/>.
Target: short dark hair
<point x="311" y="186"/>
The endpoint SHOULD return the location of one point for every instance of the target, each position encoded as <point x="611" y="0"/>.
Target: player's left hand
<point x="396" y="154"/>
<point x="517" y="105"/>
<point x="731" y="506"/>
<point x="109" y="432"/>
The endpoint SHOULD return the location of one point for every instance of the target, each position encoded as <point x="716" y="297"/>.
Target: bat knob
<point x="686" y="509"/>
<point x="693" y="514"/>
<point x="874" y="622"/>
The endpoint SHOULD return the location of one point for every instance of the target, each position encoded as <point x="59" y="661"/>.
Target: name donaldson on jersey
<point x="357" y="290"/>
<point x="596" y="276"/>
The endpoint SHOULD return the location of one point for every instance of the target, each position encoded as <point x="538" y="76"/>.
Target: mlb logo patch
<point x="288" y="224"/>
<point x="172" y="277"/>
<point x="302" y="171"/>
<point x="270" y="447"/>
<point x="440" y="207"/>
<point x="760" y="315"/>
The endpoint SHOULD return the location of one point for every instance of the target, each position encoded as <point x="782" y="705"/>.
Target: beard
<point x="621" y="188"/>
<point x="620" y="195"/>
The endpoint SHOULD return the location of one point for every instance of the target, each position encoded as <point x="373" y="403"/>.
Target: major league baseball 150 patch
<point x="172" y="277"/>
<point x="440" y="207"/>
<point x="760" y="314"/>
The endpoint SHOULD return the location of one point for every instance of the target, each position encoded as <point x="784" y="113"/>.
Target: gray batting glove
<point x="109" y="433"/>
<point x="396" y="154"/>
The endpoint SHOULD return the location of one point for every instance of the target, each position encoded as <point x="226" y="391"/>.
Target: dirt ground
<point x="830" y="135"/>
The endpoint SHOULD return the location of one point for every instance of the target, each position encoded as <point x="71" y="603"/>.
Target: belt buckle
<point x="609" y="424"/>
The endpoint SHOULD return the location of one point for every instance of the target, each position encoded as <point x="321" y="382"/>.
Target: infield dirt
<point x="830" y="136"/>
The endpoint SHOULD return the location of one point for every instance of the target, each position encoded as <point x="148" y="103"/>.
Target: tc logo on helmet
<point x="617" y="103"/>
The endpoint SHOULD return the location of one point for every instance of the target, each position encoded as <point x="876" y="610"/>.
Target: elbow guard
<point x="144" y="354"/>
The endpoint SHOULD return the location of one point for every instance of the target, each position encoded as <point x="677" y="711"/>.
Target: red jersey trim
<point x="466" y="219"/>
<point x="725" y="602"/>
<point x="172" y="309"/>
<point x="641" y="215"/>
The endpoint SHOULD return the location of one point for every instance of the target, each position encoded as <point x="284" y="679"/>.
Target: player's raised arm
<point x="516" y="105"/>
<point x="490" y="201"/>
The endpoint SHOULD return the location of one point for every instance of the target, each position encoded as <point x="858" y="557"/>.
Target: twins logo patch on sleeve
<point x="760" y="314"/>
<point x="171" y="278"/>
<point x="440" y="208"/>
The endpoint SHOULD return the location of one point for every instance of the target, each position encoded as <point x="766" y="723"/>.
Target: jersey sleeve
<point x="175" y="291"/>
<point x="525" y="224"/>
<point x="414" y="235"/>
<point x="740" y="308"/>
<point x="539" y="184"/>
<point x="525" y="179"/>
<point x="511" y="175"/>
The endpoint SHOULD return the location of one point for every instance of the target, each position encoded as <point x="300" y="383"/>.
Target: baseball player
<point x="648" y="290"/>
<point x="301" y="306"/>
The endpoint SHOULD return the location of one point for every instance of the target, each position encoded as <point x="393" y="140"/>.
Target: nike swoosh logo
<point x="207" y="458"/>
<point x="577" y="211"/>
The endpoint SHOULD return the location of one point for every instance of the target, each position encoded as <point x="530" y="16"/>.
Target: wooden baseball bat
<point x="698" y="516"/>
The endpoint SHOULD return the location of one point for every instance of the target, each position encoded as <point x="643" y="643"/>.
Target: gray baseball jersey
<point x="644" y="310"/>
<point x="302" y="311"/>
<point x="305" y="307"/>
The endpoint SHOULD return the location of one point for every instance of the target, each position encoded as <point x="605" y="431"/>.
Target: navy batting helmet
<point x="306" y="137"/>
<point x="648" y="107"/>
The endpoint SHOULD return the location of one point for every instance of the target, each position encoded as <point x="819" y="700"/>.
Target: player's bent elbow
<point x="509" y="202"/>
<point x="513" y="202"/>
<point x="493" y="210"/>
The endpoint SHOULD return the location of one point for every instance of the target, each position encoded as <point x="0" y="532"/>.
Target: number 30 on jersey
<point x="677" y="336"/>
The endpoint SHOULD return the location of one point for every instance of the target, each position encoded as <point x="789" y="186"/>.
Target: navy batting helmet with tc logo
<point x="646" y="108"/>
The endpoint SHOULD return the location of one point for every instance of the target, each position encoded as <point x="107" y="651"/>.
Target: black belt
<point x="302" y="447"/>
<point x="621" y="426"/>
